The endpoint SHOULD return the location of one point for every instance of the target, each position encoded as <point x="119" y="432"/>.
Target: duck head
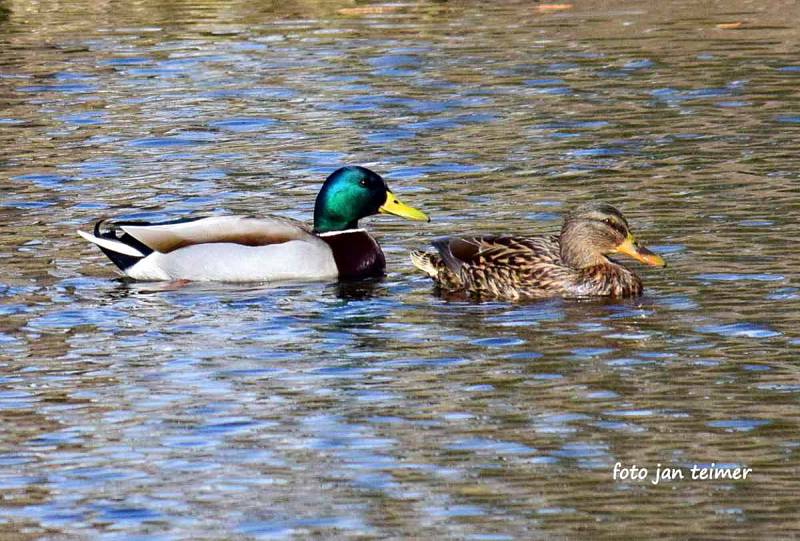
<point x="595" y="230"/>
<point x="353" y="192"/>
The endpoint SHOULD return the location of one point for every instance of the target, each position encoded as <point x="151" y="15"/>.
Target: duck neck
<point x="335" y="209"/>
<point x="326" y="222"/>
<point x="577" y="253"/>
<point x="611" y="279"/>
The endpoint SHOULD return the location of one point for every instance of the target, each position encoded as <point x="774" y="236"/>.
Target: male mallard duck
<point x="239" y="249"/>
<point x="572" y="264"/>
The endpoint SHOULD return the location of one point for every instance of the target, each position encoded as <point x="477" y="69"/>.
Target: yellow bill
<point x="632" y="249"/>
<point x="392" y="205"/>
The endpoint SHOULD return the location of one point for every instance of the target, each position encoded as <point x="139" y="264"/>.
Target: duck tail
<point x="124" y="251"/>
<point x="425" y="261"/>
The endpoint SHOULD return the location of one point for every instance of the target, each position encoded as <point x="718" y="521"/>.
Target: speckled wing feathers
<point x="498" y="266"/>
<point x="518" y="267"/>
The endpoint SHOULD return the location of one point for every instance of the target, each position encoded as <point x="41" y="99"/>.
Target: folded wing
<point x="168" y="237"/>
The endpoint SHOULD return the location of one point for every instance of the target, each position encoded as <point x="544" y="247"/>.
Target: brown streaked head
<point x="594" y="230"/>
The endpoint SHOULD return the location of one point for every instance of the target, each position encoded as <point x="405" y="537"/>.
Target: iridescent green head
<point x="353" y="192"/>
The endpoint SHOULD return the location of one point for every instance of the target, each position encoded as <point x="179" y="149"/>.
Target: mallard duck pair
<point x="240" y="249"/>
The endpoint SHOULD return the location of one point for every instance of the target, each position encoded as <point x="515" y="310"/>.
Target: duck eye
<point x="616" y="226"/>
<point x="363" y="182"/>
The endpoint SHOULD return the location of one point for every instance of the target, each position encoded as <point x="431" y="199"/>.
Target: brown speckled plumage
<point x="572" y="264"/>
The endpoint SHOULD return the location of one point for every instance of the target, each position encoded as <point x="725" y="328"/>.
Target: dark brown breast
<point x="357" y="255"/>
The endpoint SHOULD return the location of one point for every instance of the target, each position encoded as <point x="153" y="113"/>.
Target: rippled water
<point x="376" y="409"/>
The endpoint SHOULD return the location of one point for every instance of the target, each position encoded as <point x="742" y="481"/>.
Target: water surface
<point x="377" y="409"/>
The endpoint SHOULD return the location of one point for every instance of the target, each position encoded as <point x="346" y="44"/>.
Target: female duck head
<point x="354" y="192"/>
<point x="594" y="230"/>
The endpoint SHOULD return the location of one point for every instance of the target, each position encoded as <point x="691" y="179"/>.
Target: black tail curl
<point x="123" y="261"/>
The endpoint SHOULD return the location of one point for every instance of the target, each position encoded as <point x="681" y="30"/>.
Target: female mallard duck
<point x="239" y="249"/>
<point x="572" y="264"/>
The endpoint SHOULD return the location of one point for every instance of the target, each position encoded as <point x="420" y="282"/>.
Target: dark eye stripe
<point x="618" y="227"/>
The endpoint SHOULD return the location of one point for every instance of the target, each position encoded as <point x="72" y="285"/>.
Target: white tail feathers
<point x="422" y="260"/>
<point x="113" y="245"/>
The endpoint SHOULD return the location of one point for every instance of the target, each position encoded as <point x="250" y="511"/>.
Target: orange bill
<point x="631" y="248"/>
